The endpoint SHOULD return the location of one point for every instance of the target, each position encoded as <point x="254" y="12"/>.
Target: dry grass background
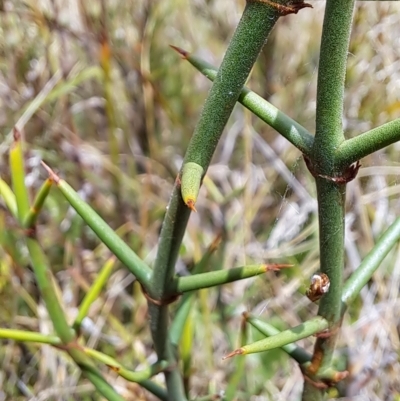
<point x="258" y="191"/>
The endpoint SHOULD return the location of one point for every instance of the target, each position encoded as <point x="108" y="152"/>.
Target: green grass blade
<point x="9" y="198"/>
<point x="17" y="167"/>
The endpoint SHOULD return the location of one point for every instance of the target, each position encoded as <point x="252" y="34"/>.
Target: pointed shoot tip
<point x="277" y="266"/>
<point x="238" y="351"/>
<point x="51" y="173"/>
<point x="190" y="204"/>
<point x="182" y="52"/>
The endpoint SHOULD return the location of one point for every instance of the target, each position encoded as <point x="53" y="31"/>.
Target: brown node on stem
<point x="238" y="351"/>
<point x="330" y="331"/>
<point x="51" y="173"/>
<point x="182" y="52"/>
<point x="348" y="174"/>
<point x="30" y="232"/>
<point x="160" y="302"/>
<point x="283" y="10"/>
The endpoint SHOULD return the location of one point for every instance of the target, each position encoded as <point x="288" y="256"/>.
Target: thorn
<point x="190" y="204"/>
<point x="238" y="351"/>
<point x="277" y="266"/>
<point x="51" y="173"/>
<point x="182" y="52"/>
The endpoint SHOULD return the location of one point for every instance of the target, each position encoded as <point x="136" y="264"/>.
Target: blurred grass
<point x="258" y="189"/>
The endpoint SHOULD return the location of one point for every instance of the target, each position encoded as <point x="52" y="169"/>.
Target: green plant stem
<point x="45" y="283"/>
<point x="363" y="145"/>
<point x="186" y="301"/>
<point x="33" y="213"/>
<point x="330" y="88"/>
<point x="251" y="33"/>
<point x="108" y="236"/>
<point x="285" y="337"/>
<point x="101" y="385"/>
<point x="371" y="262"/>
<point x="94" y="291"/>
<point x="297" y="353"/>
<point x="44" y="279"/>
<point x="212" y="279"/>
<point x="331" y="195"/>
<point x="254" y="27"/>
<point x="25" y="336"/>
<point x="290" y="129"/>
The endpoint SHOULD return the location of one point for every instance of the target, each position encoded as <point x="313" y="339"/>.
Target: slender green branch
<point x="33" y="213"/>
<point x="108" y="236"/>
<point x="290" y="129"/>
<point x="297" y="353"/>
<point x="94" y="291"/>
<point x="44" y="280"/>
<point x="186" y="301"/>
<point x="133" y="376"/>
<point x="212" y="279"/>
<point x="369" y="265"/>
<point x="28" y="336"/>
<point x="285" y="337"/>
<point x="363" y="145"/>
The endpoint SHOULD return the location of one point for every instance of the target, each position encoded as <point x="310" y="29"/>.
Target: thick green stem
<point x="255" y="25"/>
<point x="331" y="193"/>
<point x="331" y="77"/>
<point x="257" y="22"/>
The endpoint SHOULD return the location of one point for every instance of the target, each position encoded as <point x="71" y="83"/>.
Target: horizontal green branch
<point x="28" y="336"/>
<point x="369" y="142"/>
<point x="294" y="132"/>
<point x="297" y="353"/>
<point x="289" y="336"/>
<point x="219" y="277"/>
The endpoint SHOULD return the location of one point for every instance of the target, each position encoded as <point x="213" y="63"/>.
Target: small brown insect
<point x="319" y="286"/>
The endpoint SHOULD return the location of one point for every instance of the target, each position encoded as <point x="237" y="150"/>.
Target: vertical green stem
<point x="331" y="77"/>
<point x="254" y="27"/>
<point x="331" y="193"/>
